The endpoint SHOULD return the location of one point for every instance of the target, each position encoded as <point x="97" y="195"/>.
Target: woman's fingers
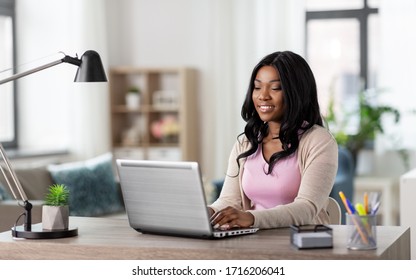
<point x="230" y="217"/>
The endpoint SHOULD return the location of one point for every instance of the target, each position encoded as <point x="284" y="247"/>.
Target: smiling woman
<point x="282" y="168"/>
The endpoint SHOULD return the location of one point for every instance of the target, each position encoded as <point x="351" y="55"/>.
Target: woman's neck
<point x="274" y="130"/>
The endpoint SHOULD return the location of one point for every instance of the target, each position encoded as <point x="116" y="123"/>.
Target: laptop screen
<point x="164" y="197"/>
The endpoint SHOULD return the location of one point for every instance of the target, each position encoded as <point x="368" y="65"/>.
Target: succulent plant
<point x="58" y="195"/>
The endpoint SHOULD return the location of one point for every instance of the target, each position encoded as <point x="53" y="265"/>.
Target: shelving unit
<point x="163" y="125"/>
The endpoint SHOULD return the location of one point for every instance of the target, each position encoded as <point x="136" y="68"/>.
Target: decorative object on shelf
<point x="55" y="212"/>
<point x="165" y="99"/>
<point x="166" y="129"/>
<point x="133" y="98"/>
<point x="133" y="134"/>
<point x="130" y="136"/>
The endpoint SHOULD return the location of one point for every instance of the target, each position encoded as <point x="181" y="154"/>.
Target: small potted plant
<point x="133" y="98"/>
<point x="55" y="211"/>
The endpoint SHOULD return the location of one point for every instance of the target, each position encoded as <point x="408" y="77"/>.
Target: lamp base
<point x="38" y="232"/>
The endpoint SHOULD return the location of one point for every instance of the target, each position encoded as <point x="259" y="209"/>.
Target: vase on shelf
<point x="133" y="98"/>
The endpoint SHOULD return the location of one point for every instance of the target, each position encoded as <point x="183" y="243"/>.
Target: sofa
<point x="93" y="185"/>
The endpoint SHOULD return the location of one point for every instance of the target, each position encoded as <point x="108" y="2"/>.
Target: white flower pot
<point x="133" y="100"/>
<point x="55" y="217"/>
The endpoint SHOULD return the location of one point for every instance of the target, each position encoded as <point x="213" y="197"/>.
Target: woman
<point x="282" y="168"/>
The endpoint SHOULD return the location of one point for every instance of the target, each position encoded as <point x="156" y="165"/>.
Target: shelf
<point x="167" y="109"/>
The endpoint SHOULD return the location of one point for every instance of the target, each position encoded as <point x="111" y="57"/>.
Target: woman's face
<point x="268" y="95"/>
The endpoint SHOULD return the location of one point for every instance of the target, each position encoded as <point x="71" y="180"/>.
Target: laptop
<point x="168" y="198"/>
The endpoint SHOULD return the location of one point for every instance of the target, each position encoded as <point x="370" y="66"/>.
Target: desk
<point x="105" y="239"/>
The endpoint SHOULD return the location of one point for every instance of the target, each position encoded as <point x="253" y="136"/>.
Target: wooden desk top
<point x="106" y="238"/>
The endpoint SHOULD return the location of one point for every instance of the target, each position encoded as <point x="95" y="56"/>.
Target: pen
<point x="344" y="200"/>
<point x="374" y="209"/>
<point x="360" y="209"/>
<point x="353" y="211"/>
<point x="349" y="210"/>
<point x="366" y="207"/>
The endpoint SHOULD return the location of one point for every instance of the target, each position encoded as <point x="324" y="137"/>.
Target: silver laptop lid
<point x="164" y="197"/>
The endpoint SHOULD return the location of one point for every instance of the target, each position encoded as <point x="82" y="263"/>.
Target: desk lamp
<point x="90" y="69"/>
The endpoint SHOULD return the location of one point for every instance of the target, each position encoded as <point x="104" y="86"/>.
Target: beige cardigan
<point x="318" y="163"/>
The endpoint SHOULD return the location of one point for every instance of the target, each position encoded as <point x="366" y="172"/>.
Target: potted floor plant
<point x="55" y="211"/>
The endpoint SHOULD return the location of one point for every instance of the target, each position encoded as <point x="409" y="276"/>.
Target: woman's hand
<point x="230" y="217"/>
<point x="210" y="211"/>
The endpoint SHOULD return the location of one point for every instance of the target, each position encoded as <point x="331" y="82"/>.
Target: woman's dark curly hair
<point x="300" y="100"/>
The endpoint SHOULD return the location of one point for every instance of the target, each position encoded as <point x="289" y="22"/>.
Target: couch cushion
<point x="92" y="186"/>
<point x="34" y="180"/>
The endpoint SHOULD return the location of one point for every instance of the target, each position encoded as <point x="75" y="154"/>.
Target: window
<point x="8" y="130"/>
<point x="341" y="49"/>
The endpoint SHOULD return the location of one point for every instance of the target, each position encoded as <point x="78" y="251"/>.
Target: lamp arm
<point x="67" y="59"/>
<point x="16" y="182"/>
<point x="27" y="205"/>
<point x="28" y="72"/>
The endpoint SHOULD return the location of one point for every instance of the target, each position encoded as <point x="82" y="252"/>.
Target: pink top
<point x="268" y="191"/>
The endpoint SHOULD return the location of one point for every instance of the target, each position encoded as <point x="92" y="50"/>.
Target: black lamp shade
<point x="91" y="68"/>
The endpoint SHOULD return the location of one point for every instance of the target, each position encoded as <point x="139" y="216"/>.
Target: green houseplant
<point x="134" y="89"/>
<point x="55" y="211"/>
<point x="370" y="123"/>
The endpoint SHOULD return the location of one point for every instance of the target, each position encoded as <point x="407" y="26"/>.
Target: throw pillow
<point x="92" y="186"/>
<point x="33" y="179"/>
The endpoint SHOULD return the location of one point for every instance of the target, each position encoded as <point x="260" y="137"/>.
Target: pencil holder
<point x="361" y="232"/>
